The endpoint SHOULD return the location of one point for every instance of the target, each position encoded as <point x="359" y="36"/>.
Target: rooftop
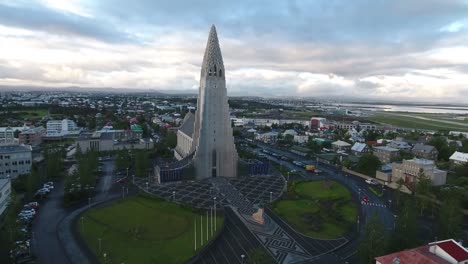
<point x="459" y="156"/>
<point x="386" y="148"/>
<point x="3" y="182"/>
<point x="15" y="148"/>
<point x="452" y="248"/>
<point x="419" y="255"/>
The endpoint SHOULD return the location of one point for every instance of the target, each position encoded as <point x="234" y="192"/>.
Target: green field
<point x="320" y="209"/>
<point x="416" y="123"/>
<point x="142" y="230"/>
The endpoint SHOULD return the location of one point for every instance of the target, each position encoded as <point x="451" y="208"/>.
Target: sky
<point x="403" y="50"/>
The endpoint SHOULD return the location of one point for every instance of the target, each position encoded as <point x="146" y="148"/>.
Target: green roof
<point x="327" y="156"/>
<point x="137" y="128"/>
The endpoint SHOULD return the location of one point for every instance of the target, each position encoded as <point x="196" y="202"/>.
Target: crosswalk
<point x="374" y="204"/>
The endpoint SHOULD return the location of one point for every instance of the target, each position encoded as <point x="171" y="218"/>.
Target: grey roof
<point x="386" y="148"/>
<point x="15" y="148"/>
<point x="188" y="124"/>
<point x="423" y="148"/>
<point x="359" y="147"/>
<point x="3" y="183"/>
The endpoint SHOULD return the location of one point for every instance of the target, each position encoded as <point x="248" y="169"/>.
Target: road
<point x="48" y="246"/>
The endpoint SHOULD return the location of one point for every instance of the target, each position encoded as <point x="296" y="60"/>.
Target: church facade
<point x="206" y="136"/>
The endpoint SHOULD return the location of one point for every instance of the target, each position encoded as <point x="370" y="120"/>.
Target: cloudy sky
<point x="413" y="50"/>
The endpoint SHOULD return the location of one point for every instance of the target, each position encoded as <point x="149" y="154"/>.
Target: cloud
<point x="375" y="49"/>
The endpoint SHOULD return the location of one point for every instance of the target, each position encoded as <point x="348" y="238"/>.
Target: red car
<point x="122" y="180"/>
<point x="365" y="199"/>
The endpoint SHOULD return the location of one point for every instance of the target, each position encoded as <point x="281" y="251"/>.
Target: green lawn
<point x="316" y="190"/>
<point x="414" y="122"/>
<point x="33" y="113"/>
<point x="142" y="230"/>
<point x="319" y="209"/>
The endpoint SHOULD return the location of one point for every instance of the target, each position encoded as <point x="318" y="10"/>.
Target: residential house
<point x="386" y="154"/>
<point x="425" y="151"/>
<point x="359" y="149"/>
<point x="111" y="140"/>
<point x="409" y="171"/>
<point x="459" y="158"/>
<point x="341" y="146"/>
<point x="301" y="139"/>
<point x="440" y="252"/>
<point x="269" y="137"/>
<point x="401" y="145"/>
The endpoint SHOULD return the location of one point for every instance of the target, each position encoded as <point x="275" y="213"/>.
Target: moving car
<point x="371" y="182"/>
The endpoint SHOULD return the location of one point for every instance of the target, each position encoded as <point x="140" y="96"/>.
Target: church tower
<point x="215" y="154"/>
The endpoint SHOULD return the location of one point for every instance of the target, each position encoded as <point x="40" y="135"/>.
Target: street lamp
<point x="147" y="186"/>
<point x="99" y="239"/>
<point x="173" y="195"/>
<point x="105" y="257"/>
<point x="271" y="196"/>
<point x="127" y="172"/>
<point x="89" y="201"/>
<point x="242" y="257"/>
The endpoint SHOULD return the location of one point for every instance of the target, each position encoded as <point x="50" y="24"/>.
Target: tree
<point x="368" y="164"/>
<point x="450" y="218"/>
<point x="141" y="163"/>
<point x="32" y="182"/>
<point x="440" y="143"/>
<point x="374" y="243"/>
<point x="289" y="138"/>
<point x="423" y="190"/>
<point x="406" y="228"/>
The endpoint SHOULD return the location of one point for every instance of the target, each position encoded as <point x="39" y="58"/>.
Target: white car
<point x="371" y="182"/>
<point x="46" y="185"/>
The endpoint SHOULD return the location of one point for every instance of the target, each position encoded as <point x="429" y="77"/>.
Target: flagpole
<point x="195" y="240"/>
<point x="201" y="230"/>
<point x="207" y="225"/>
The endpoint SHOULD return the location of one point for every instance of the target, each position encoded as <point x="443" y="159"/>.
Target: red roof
<point x="453" y="249"/>
<point x="419" y="255"/>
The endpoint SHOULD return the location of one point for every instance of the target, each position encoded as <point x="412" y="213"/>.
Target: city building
<point x="385" y="154"/>
<point x="5" y="193"/>
<point x="359" y="149"/>
<point x="440" y="252"/>
<point x="7" y="134"/>
<point x="355" y="124"/>
<point x="409" y="171"/>
<point x="457" y="133"/>
<point x="459" y="158"/>
<point x="184" y="137"/>
<point x="341" y="146"/>
<point x="58" y="128"/>
<point x="301" y="139"/>
<point x="15" y="160"/>
<point x="268" y="137"/>
<point x="318" y="123"/>
<point x="111" y="140"/>
<point x="425" y="151"/>
<point x="32" y="136"/>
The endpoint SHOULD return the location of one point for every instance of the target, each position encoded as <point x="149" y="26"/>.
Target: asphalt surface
<point x="47" y="245"/>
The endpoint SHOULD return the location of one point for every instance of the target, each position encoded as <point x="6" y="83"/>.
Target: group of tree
<point x="53" y="158"/>
<point x="82" y="179"/>
<point x="443" y="147"/>
<point x="368" y="164"/>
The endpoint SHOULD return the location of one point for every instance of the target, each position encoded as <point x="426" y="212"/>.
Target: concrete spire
<point x="212" y="60"/>
<point x="213" y="142"/>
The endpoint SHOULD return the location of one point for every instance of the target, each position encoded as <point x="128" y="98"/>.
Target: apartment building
<point x="15" y="160"/>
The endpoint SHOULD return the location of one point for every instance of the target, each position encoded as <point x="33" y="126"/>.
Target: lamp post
<point x="173" y="196"/>
<point x="271" y="197"/>
<point x="99" y="239"/>
<point x="105" y="257"/>
<point x="288" y="175"/>
<point x="242" y="257"/>
<point x="89" y="201"/>
<point x="127" y="172"/>
<point x="214" y="203"/>
<point x="123" y="192"/>
<point x="147" y="186"/>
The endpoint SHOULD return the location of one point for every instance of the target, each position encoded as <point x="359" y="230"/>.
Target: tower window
<point x="220" y="73"/>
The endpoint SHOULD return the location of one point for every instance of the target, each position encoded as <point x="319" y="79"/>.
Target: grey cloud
<point x="37" y="17"/>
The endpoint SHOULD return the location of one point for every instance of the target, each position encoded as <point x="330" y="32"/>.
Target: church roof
<point x="188" y="124"/>
<point x="212" y="57"/>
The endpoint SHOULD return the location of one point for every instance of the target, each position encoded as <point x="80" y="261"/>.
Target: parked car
<point x="371" y="182"/>
<point x="122" y="180"/>
<point x="49" y="187"/>
<point x="365" y="199"/>
<point x="32" y="205"/>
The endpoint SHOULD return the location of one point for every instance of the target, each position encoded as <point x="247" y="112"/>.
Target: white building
<point x="409" y="171"/>
<point x="15" y="160"/>
<point x="459" y="157"/>
<point x="61" y="127"/>
<point x="7" y="134"/>
<point x="5" y="193"/>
